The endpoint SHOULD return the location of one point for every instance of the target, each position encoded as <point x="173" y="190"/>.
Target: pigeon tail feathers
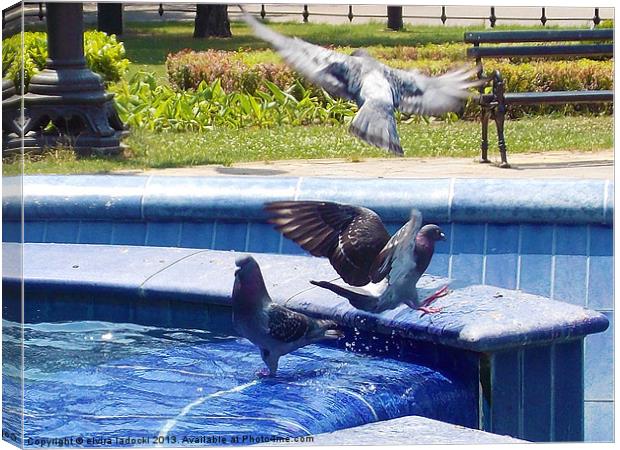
<point x="375" y="124"/>
<point x="356" y="297"/>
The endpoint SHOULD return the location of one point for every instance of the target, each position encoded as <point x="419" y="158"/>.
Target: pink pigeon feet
<point x="425" y="305"/>
<point x="263" y="373"/>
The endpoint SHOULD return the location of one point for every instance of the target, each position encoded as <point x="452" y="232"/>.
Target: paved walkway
<point x="598" y="165"/>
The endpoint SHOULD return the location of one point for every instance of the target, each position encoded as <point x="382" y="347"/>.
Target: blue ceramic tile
<point x="230" y="235"/>
<point x="467" y="268"/>
<point x="501" y="260"/>
<point x="505" y="393"/>
<point x="512" y="201"/>
<point x="204" y="198"/>
<point x="468" y="238"/>
<point x="537" y="394"/>
<point x="163" y="234"/>
<point x="502" y="239"/>
<point x="290" y="248"/>
<point x="392" y="199"/>
<point x="263" y="238"/>
<point x="61" y="231"/>
<point x="609" y="203"/>
<point x="440" y="265"/>
<point x="151" y="312"/>
<point x="601" y="241"/>
<point x="219" y="319"/>
<point x="34" y="231"/>
<point x="570" y="278"/>
<point x="444" y="246"/>
<point x="129" y="233"/>
<point x="189" y="315"/>
<point x="536" y="239"/>
<point x="72" y="307"/>
<point x="196" y="234"/>
<point x="601" y="282"/>
<point x="501" y="270"/>
<point x="568" y="391"/>
<point x="11" y="231"/>
<point x="83" y="197"/>
<point x="571" y="240"/>
<point x="535" y="274"/>
<point x="113" y="309"/>
<point x="599" y="426"/>
<point x="37" y="307"/>
<point x="95" y="232"/>
<point x="599" y="363"/>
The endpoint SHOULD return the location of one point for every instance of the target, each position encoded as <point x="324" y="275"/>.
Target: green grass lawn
<point x="148" y="43"/>
<point x="227" y="146"/>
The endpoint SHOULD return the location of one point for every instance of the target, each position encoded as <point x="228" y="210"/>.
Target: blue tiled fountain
<point x="523" y="258"/>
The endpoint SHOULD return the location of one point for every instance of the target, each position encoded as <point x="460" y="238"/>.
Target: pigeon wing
<point x="337" y="73"/>
<point x="424" y="95"/>
<point x="286" y="325"/>
<point x="350" y="236"/>
<point x="398" y="253"/>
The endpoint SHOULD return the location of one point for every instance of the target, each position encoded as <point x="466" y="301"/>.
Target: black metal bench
<point x="497" y="101"/>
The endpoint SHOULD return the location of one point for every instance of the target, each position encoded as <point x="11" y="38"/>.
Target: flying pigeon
<point x="362" y="252"/>
<point x="377" y="89"/>
<point x="274" y="329"/>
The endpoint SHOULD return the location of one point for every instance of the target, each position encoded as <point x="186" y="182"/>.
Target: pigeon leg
<point x="428" y="310"/>
<point x="431" y="298"/>
<point x="271" y="360"/>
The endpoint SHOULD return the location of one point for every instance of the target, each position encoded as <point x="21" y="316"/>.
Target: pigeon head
<point x="249" y="287"/>
<point x="432" y="232"/>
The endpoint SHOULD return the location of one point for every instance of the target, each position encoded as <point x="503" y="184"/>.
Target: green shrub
<point x="144" y="103"/>
<point x="104" y="55"/>
<point x="187" y="69"/>
<point x="244" y="71"/>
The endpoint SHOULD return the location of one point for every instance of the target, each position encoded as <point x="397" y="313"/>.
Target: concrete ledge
<point x="475" y="317"/>
<point x="200" y="198"/>
<point x="410" y="430"/>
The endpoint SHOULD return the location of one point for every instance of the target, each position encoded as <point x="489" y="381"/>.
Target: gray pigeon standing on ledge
<point x="362" y="252"/>
<point x="274" y="329"/>
<point x="377" y="89"/>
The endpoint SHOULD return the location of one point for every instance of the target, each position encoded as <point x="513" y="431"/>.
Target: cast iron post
<point x="68" y="94"/>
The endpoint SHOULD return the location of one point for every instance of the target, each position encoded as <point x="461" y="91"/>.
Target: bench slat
<point x="482" y="37"/>
<point x="542" y="50"/>
<point x="525" y="98"/>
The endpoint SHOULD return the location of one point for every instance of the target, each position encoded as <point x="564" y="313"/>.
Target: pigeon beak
<point x="442" y="236"/>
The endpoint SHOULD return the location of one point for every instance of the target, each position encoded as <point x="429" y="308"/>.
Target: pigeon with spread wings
<point x="381" y="271"/>
<point x="377" y="89"/>
<point x="274" y="329"/>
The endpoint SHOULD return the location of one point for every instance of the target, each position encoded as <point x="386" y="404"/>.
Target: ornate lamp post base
<point x="74" y="101"/>
<point x="66" y="104"/>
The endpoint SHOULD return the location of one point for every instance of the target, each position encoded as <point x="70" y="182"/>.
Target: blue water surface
<point x="103" y="384"/>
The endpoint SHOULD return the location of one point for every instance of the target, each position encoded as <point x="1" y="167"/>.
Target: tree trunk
<point x="395" y="17"/>
<point x="211" y="20"/>
<point x="110" y="18"/>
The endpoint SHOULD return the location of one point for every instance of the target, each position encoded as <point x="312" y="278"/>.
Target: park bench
<point x="565" y="44"/>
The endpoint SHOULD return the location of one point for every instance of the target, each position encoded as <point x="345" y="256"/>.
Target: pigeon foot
<point x="431" y="298"/>
<point x="428" y="310"/>
<point x="264" y="373"/>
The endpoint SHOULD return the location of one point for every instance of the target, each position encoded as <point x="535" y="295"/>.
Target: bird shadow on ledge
<point x="248" y="171"/>
<point x="562" y="165"/>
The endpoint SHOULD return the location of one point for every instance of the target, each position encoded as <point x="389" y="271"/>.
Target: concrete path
<point x="597" y="165"/>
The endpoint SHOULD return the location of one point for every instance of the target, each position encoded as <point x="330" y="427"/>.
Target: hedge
<point x="104" y="55"/>
<point x="187" y="69"/>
